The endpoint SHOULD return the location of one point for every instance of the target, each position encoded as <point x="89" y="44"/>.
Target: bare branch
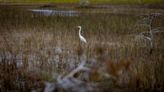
<point x="79" y="68"/>
<point x="68" y="81"/>
<point x="147" y="22"/>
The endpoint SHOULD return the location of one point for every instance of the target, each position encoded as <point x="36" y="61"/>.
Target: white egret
<point x="80" y="36"/>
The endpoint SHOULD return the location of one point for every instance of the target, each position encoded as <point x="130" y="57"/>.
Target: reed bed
<point x="35" y="49"/>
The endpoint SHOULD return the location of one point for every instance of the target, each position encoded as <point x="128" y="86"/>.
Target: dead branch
<point x="151" y="31"/>
<point x="69" y="82"/>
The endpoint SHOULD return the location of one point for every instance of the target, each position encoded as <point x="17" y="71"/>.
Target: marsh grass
<point x="35" y="49"/>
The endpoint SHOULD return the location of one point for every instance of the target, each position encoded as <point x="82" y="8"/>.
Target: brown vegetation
<point x="35" y="49"/>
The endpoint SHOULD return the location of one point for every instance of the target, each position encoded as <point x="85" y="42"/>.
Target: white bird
<point x="80" y="36"/>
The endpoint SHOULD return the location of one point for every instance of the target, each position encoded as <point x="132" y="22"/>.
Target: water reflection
<point x="48" y="12"/>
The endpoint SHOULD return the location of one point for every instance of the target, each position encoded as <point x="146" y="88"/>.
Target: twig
<point x="149" y="19"/>
<point x="69" y="81"/>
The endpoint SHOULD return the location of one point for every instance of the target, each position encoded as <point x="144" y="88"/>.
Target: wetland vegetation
<point x="39" y="53"/>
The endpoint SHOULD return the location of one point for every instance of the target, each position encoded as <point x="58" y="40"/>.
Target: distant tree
<point x="84" y="3"/>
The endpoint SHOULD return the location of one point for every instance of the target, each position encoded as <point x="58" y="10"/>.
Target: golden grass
<point x="49" y="46"/>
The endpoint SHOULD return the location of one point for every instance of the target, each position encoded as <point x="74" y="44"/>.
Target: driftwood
<point x="70" y="83"/>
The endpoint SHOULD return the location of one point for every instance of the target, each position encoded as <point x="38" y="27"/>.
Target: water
<point x="49" y="12"/>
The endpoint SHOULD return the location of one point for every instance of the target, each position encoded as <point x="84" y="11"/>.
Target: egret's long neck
<point x="80" y="31"/>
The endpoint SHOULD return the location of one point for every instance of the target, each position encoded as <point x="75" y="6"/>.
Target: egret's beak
<point x="78" y="27"/>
